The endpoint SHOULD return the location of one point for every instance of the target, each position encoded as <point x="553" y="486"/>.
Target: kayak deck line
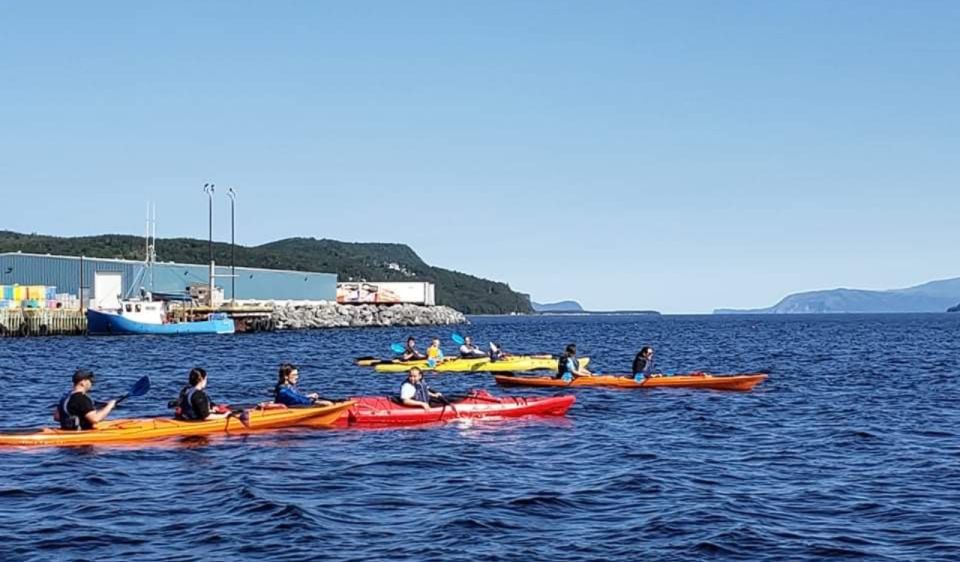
<point x="735" y="382"/>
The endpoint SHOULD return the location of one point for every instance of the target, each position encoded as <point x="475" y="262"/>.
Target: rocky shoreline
<point x="310" y="315"/>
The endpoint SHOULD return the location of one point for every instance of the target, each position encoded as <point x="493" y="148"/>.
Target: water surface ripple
<point x="850" y="450"/>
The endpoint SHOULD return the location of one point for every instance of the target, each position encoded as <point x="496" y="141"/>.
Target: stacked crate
<point x="28" y="296"/>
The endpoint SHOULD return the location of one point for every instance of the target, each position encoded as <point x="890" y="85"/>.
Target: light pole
<point x="208" y="188"/>
<point x="233" y="246"/>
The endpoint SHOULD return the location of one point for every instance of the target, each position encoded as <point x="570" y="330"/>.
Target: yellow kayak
<point x="517" y="363"/>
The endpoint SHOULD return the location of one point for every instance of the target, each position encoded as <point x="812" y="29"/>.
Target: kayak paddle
<point x="457" y="338"/>
<point x="446" y="402"/>
<point x="397" y="347"/>
<point x="242" y="415"/>
<point x="139" y="388"/>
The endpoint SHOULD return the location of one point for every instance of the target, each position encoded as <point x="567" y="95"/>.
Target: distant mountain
<point x="954" y="308"/>
<point x="562" y="306"/>
<point x="351" y="261"/>
<point x="935" y="296"/>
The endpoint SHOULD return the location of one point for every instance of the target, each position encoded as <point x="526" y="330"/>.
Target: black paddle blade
<point x="243" y="416"/>
<point x="140" y="387"/>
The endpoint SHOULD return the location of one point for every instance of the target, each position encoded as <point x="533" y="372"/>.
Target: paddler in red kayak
<point x="415" y="393"/>
<point x="76" y="409"/>
<point x="287" y="393"/>
<point x="194" y="404"/>
<point x="569" y="364"/>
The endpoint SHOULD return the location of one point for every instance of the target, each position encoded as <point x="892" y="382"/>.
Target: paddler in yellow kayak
<point x="470" y="351"/>
<point x="410" y="352"/>
<point x="415" y="393"/>
<point x="434" y="353"/>
<point x="76" y="410"/>
<point x="569" y="366"/>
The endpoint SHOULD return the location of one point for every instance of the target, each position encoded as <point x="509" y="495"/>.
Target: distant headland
<point x="935" y="296"/>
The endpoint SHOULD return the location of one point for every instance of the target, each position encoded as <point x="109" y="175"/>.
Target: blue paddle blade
<point x="140" y="387"/>
<point x="457" y="338"/>
<point x="567" y="377"/>
<point x="639" y="377"/>
<point x="397" y="347"/>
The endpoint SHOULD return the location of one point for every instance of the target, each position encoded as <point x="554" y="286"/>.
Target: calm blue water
<point x="850" y="450"/>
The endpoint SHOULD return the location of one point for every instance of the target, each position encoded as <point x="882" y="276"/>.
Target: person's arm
<point x="407" y="393"/>
<point x="201" y="406"/>
<point x="291" y="397"/>
<point x="581" y="372"/>
<point x="95" y="416"/>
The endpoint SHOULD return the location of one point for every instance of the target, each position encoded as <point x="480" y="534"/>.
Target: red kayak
<point x="381" y="411"/>
<point x="742" y="382"/>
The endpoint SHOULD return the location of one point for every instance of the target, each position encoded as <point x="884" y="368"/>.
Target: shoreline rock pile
<point x="298" y="315"/>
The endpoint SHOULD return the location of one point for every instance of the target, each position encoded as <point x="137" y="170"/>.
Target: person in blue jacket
<point x="287" y="393"/>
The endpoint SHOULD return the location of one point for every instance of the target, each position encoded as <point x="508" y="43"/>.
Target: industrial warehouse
<point x="82" y="277"/>
<point x="42" y="294"/>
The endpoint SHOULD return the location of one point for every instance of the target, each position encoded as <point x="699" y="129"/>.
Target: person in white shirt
<point x="470" y="351"/>
<point x="415" y="393"/>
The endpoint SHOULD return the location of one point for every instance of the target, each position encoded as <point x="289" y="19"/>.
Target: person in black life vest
<point x="194" y="404"/>
<point x="415" y="393"/>
<point x="568" y="363"/>
<point x="76" y="410"/>
<point x="410" y="353"/>
<point x="643" y="362"/>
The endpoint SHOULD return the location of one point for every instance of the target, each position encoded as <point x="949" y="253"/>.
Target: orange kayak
<point x="695" y="380"/>
<point x="134" y="430"/>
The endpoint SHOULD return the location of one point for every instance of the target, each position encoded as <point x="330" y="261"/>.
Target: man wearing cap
<point x="76" y="410"/>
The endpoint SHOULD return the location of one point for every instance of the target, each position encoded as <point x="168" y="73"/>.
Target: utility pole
<point x="233" y="246"/>
<point x="208" y="188"/>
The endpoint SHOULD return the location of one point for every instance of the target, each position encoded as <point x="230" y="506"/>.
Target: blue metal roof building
<point x="64" y="272"/>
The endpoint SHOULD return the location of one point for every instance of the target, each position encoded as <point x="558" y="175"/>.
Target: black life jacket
<point x="67" y="420"/>
<point x="185" y="406"/>
<point x="642" y="365"/>
<point x="420" y="391"/>
<point x="562" y="365"/>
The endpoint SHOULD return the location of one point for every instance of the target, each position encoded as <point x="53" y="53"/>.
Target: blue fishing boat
<point x="148" y="314"/>
<point x="149" y="317"/>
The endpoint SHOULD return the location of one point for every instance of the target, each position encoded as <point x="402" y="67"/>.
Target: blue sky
<point x="679" y="156"/>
